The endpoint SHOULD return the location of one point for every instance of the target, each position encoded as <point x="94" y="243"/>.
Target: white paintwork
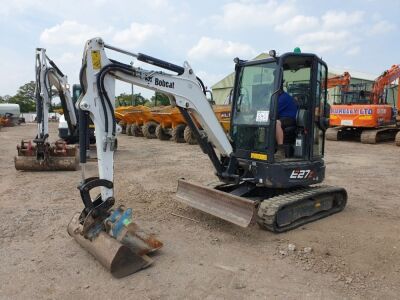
<point x="50" y="76"/>
<point x="182" y="90"/>
<point x="10" y="108"/>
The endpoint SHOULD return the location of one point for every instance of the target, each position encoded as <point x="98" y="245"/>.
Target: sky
<point x="352" y="35"/>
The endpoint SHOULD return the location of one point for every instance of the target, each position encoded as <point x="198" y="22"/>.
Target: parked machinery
<point x="171" y="124"/>
<point x="10" y="114"/>
<point x="120" y="116"/>
<point x="39" y="154"/>
<point x="364" y="113"/>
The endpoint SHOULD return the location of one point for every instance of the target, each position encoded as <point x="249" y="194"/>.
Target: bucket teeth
<point x="139" y="241"/>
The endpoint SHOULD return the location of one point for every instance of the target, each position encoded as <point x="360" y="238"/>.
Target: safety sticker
<point x="259" y="156"/>
<point x="262" y="116"/>
<point x="96" y="60"/>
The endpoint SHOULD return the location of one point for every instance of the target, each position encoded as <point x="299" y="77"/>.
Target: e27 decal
<point x="300" y="174"/>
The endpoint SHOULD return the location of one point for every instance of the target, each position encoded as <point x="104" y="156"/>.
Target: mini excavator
<point x="279" y="193"/>
<point x="39" y="154"/>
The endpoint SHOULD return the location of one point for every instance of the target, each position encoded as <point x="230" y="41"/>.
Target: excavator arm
<point x="107" y="233"/>
<point x="46" y="78"/>
<point x="387" y="77"/>
<point x="340" y="80"/>
<point x="39" y="154"/>
<point x="184" y="90"/>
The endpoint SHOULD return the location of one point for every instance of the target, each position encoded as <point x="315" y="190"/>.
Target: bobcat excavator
<point x="279" y="193"/>
<point x="39" y="154"/>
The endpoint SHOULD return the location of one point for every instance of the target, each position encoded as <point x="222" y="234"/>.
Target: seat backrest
<point x="301" y="100"/>
<point x="301" y="117"/>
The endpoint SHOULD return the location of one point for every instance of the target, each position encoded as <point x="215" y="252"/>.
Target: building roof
<point x="353" y="74"/>
<point x="228" y="81"/>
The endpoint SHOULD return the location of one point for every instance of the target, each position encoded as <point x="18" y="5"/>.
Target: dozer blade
<point x="30" y="163"/>
<point x="237" y="210"/>
<point x="113" y="254"/>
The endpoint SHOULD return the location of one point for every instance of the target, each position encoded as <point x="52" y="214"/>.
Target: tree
<point x="25" y="97"/>
<point x="5" y="98"/>
<point x="159" y="99"/>
<point x="127" y="99"/>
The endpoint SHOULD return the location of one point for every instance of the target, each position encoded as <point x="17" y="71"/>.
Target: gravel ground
<point x="354" y="254"/>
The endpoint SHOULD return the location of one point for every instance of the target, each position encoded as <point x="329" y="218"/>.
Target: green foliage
<point x="5" y="99"/>
<point x="54" y="107"/>
<point x="25" y="97"/>
<point x="127" y="99"/>
<point x="159" y="99"/>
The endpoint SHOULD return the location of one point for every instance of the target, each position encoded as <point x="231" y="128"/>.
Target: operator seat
<point x="290" y="132"/>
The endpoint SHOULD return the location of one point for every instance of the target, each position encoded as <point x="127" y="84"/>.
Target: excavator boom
<point x="39" y="154"/>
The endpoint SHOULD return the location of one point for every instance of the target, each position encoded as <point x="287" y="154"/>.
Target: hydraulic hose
<point x="104" y="98"/>
<point x="39" y="101"/>
<point x="81" y="72"/>
<point x="83" y="132"/>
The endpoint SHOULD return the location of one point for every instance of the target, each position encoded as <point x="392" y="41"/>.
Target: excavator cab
<point x="258" y="86"/>
<point x="276" y="192"/>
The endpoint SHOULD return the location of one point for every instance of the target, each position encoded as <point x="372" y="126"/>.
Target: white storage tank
<point x="11" y="108"/>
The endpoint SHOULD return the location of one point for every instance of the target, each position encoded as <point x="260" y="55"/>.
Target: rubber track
<point x="268" y="209"/>
<point x="331" y="134"/>
<point x="397" y="139"/>
<point x="373" y="136"/>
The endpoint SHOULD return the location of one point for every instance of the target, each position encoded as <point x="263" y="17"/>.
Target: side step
<point x="237" y="210"/>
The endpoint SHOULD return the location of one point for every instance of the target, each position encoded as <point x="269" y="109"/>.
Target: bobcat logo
<point x="148" y="79"/>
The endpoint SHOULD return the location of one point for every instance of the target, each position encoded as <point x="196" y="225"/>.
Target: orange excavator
<point x="340" y="80"/>
<point x="379" y="92"/>
<point x="364" y="112"/>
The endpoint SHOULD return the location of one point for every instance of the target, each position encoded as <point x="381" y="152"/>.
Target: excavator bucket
<point x="56" y="157"/>
<point x="237" y="210"/>
<point x="122" y="249"/>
